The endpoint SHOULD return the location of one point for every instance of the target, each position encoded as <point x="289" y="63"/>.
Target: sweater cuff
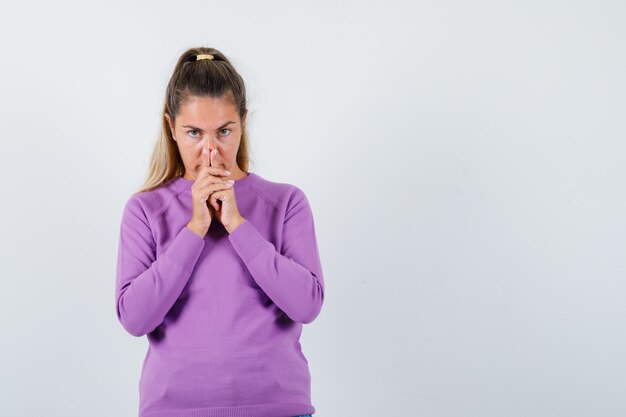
<point x="248" y="242"/>
<point x="186" y="248"/>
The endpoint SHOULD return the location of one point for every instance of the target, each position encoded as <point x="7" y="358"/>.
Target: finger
<point x="216" y="187"/>
<point x="210" y="190"/>
<point x="207" y="162"/>
<point x="207" y="157"/>
<point x="214" y="200"/>
<point x="217" y="170"/>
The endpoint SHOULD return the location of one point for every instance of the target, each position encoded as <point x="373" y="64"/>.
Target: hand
<point x="225" y="205"/>
<point x="209" y="180"/>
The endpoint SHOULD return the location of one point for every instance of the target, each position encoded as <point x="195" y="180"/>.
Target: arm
<point x="292" y="279"/>
<point x="146" y="287"/>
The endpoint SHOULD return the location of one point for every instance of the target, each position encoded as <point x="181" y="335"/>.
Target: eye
<point x="193" y="136"/>
<point x="225" y="129"/>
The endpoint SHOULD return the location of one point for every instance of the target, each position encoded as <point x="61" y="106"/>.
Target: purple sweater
<point x="223" y="314"/>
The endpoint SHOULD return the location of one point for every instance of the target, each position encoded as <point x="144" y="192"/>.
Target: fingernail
<point x="227" y="172"/>
<point x="203" y="151"/>
<point x="231" y="181"/>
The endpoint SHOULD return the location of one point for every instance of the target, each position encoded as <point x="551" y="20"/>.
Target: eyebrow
<point x="197" y="128"/>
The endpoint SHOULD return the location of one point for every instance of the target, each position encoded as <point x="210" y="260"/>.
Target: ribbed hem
<point x="248" y="242"/>
<point x="257" y="410"/>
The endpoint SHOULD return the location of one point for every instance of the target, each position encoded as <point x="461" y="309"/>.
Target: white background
<point x="465" y="163"/>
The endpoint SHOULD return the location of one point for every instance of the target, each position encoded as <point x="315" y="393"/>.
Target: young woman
<point x="218" y="266"/>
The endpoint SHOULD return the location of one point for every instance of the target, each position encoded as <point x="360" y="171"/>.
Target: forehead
<point x="207" y="110"/>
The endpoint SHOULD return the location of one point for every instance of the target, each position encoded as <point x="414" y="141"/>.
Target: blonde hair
<point x="215" y="78"/>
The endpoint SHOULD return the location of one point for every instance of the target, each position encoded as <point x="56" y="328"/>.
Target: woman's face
<point x="211" y="123"/>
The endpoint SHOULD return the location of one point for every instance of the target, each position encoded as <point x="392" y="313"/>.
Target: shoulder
<point x="278" y="194"/>
<point x="147" y="204"/>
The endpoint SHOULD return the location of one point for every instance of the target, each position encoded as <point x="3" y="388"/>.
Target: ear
<point x="243" y="119"/>
<point x="169" y="122"/>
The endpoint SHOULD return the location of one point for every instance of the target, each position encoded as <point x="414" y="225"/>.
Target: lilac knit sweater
<point x="223" y="314"/>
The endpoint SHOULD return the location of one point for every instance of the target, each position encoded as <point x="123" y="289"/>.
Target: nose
<point x="210" y="144"/>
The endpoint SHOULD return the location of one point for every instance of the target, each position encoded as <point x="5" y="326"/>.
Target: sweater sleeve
<point x="146" y="286"/>
<point x="292" y="278"/>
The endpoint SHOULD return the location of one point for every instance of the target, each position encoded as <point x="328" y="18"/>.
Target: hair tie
<point x="203" y="56"/>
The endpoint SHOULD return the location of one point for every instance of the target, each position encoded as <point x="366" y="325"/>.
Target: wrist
<point x="199" y="230"/>
<point x="231" y="227"/>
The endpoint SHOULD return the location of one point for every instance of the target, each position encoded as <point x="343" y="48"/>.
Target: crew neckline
<point x="179" y="183"/>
